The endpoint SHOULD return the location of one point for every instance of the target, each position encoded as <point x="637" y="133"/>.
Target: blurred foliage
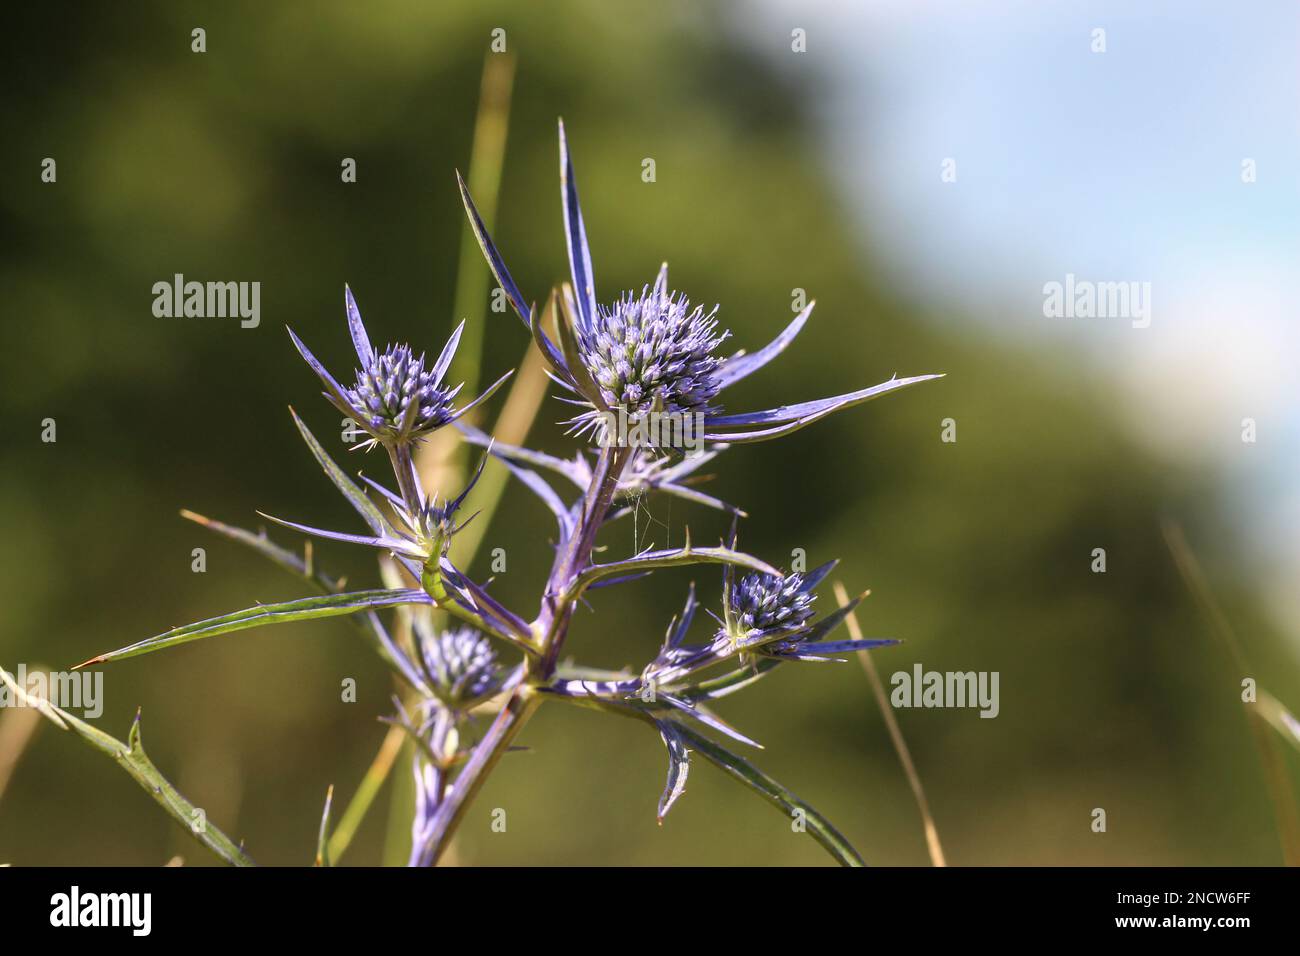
<point x="226" y="165"/>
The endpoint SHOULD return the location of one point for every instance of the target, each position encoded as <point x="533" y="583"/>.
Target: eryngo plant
<point x="647" y="352"/>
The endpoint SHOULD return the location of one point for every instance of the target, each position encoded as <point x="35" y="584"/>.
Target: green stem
<point x="369" y="788"/>
<point x="487" y="156"/>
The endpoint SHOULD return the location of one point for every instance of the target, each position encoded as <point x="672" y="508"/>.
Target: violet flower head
<point x="399" y="394"/>
<point x="765" y="604"/>
<point x="397" y="397"/>
<point x="462" y="667"/>
<point x="772" y="615"/>
<point x="652" y="351"/>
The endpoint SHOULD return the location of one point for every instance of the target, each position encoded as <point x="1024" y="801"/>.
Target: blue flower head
<point x="653" y="351"/>
<point x="763" y="605"/>
<point x="461" y="666"/>
<point x="398" y="397"/>
<point x="772" y="615"/>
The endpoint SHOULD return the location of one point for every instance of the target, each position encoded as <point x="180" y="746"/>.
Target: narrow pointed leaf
<point x="391" y="497"/>
<point x="333" y="391"/>
<point x="558" y="370"/>
<point x="790" y="418"/>
<point x="303" y="609"/>
<point x="611" y="582"/>
<point x="740" y="769"/>
<point x="506" y="623"/>
<point x="679" y="765"/>
<point x="291" y="561"/>
<point x="818" y="574"/>
<point x="843" y="647"/>
<point x="566" y="327"/>
<point x="385" y="544"/>
<point x="709" y="719"/>
<point x="351" y="490"/>
<point x="698" y="497"/>
<point x="448" y="353"/>
<point x="538" y="486"/>
<point x="370" y="626"/>
<point x="674" y="558"/>
<point x="494" y="260"/>
<point x="677" y="632"/>
<point x="579" y="476"/>
<point x="131" y="757"/>
<point x="741" y="365"/>
<point x="575" y="235"/>
<point x="491" y="390"/>
<point x="360" y="340"/>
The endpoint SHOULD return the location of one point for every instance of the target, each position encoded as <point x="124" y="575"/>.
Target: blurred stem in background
<point x="17" y="727"/>
<point x="371" y="783"/>
<point x="1258" y="715"/>
<point x="438" y="460"/>
<point x="487" y="157"/>
<point x="895" y="733"/>
<point x="523" y="402"/>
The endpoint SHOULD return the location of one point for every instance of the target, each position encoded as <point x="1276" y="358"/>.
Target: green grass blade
<point x="487" y="157"/>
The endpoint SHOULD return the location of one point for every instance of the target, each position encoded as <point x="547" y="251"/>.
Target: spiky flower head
<point x="765" y="605"/>
<point x="400" y="396"/>
<point x="461" y="666"/>
<point x="650" y="348"/>
<point x="397" y="397"/>
<point x="653" y="352"/>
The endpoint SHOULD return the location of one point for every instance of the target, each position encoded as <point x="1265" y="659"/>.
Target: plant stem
<point x="487" y="156"/>
<point x="407" y="481"/>
<point x="553" y="621"/>
<point x="558" y="604"/>
<point x="517" y="711"/>
<point x="371" y="783"/>
<point x="895" y="734"/>
<point x="1275" y="779"/>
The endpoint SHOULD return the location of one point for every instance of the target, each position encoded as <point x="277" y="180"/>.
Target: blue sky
<point x="1117" y="166"/>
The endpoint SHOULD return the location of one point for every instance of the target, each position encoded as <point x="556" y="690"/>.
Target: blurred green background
<point x="226" y="166"/>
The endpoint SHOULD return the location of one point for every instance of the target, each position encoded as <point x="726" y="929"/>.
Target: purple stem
<point x="408" y="481"/>
<point x="552" y="622"/>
